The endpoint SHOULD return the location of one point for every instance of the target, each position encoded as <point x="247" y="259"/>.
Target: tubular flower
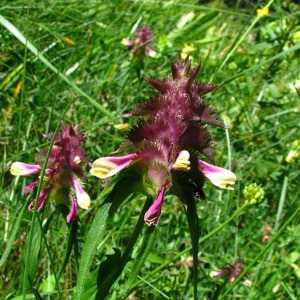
<point x="153" y="214"/>
<point x="72" y="215"/>
<point x="141" y="43"/>
<point x="63" y="168"/>
<point x="182" y="162"/>
<point x="169" y="141"/>
<point x="220" y="177"/>
<point x="83" y="198"/>
<point x="108" y="166"/>
<point x="20" y="169"/>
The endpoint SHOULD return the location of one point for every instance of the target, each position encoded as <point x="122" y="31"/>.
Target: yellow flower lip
<point x="22" y="169"/>
<point x="218" y="176"/>
<point x="83" y="198"/>
<point x="105" y="167"/>
<point x="182" y="162"/>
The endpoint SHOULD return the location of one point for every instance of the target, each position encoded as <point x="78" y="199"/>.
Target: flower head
<point x="254" y="193"/>
<point x="141" y="43"/>
<point x="170" y="140"/>
<point x="63" y="168"/>
<point x="261" y="12"/>
<point x="294" y="153"/>
<point x="232" y="272"/>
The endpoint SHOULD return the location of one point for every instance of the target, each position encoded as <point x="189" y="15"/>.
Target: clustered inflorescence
<point x="62" y="173"/>
<point x="170" y="144"/>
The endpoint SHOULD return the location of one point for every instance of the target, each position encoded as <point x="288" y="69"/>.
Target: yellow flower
<point x="68" y="41"/>
<point x="292" y="155"/>
<point x="182" y="162"/>
<point x="121" y="126"/>
<point x="186" y="50"/>
<point x="261" y="12"/>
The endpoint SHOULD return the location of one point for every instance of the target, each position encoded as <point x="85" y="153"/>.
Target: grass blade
<point x="18" y="34"/>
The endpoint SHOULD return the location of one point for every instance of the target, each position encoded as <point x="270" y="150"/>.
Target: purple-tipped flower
<point x="21" y="169"/>
<point x="142" y="42"/>
<point x="63" y="170"/>
<point x="170" y="141"/>
<point x="105" y="167"/>
<point x="71" y="217"/>
<point x="232" y="272"/>
<point x="220" y="177"/>
<point x="153" y="214"/>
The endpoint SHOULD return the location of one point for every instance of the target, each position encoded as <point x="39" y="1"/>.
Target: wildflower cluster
<point x="294" y="153"/>
<point x="62" y="172"/>
<point x="171" y="144"/>
<point x="254" y="193"/>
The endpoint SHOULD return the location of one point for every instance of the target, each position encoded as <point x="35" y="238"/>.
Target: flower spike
<point x="168" y="140"/>
<point x="63" y="169"/>
<point x="141" y="43"/>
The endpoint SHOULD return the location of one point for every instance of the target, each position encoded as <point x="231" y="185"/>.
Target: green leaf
<point x="139" y="261"/>
<point x="113" y="195"/>
<point x="94" y="288"/>
<point x="34" y="251"/>
<point x="20" y="36"/>
<point x="14" y="232"/>
<point x="193" y="221"/>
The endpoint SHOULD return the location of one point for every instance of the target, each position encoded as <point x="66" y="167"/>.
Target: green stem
<point x="105" y="286"/>
<point x="34" y="221"/>
<point x="136" y="232"/>
<point x="190" y="248"/>
<point x="146" y="247"/>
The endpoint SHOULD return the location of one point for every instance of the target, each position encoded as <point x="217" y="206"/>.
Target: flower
<point x="182" y="162"/>
<point x="121" y="126"/>
<point x="261" y="12"/>
<point x="186" y="50"/>
<point x="71" y="217"/>
<point x="220" y="177"/>
<point x="153" y="214"/>
<point x="63" y="169"/>
<point x="108" y="166"/>
<point x="232" y="272"/>
<point x="68" y="41"/>
<point x="21" y="169"/>
<point x="83" y="198"/>
<point x="141" y="43"/>
<point x="293" y="153"/>
<point x="169" y="142"/>
<point x="254" y="193"/>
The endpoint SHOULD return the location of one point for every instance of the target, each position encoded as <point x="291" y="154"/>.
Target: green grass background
<point x="97" y="80"/>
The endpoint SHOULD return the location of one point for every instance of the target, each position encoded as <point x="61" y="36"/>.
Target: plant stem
<point x="189" y="248"/>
